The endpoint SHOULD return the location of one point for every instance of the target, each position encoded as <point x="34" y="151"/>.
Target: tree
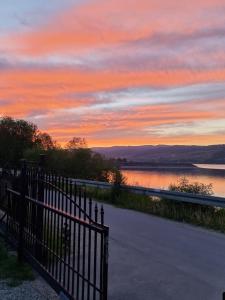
<point x="22" y="139"/>
<point x="15" y="137"/>
<point x="45" y="141"/>
<point x="76" y="143"/>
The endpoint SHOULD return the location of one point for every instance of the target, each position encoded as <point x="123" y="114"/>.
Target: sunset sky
<point x="116" y="72"/>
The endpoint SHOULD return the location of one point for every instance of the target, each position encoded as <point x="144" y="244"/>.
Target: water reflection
<point x="163" y="178"/>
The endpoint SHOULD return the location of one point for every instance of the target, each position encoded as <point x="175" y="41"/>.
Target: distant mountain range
<point x="166" y="154"/>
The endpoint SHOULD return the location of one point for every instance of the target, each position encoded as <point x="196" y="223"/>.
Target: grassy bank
<point x="200" y="215"/>
<point x="12" y="271"/>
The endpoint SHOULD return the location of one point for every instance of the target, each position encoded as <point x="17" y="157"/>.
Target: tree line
<point x="22" y="139"/>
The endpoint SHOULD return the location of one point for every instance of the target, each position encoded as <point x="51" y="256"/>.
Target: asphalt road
<point x="157" y="259"/>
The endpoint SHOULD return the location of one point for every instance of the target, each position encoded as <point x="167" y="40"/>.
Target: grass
<point x="11" y="270"/>
<point x="200" y="215"/>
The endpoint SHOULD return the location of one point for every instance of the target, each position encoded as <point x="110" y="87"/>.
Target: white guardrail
<point x="175" y="196"/>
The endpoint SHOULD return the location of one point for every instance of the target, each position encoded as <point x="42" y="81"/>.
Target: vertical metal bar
<point x="74" y="256"/>
<point x="47" y="225"/>
<point x="34" y="222"/>
<point x="7" y="209"/>
<point x="66" y="257"/>
<point x="34" y="196"/>
<point x="75" y="198"/>
<point x="65" y="231"/>
<point x="84" y="245"/>
<point x="57" y="241"/>
<point x="105" y="264"/>
<point x="78" y="245"/>
<point x="102" y="255"/>
<point x="89" y="249"/>
<point x="22" y="209"/>
<point x="102" y="215"/>
<point x="95" y="253"/>
<point x="74" y="240"/>
<point x="48" y="229"/>
<point x="55" y="192"/>
<point x="40" y="211"/>
<point x="51" y="186"/>
<point x="27" y="226"/>
<point x="54" y="229"/>
<point x="61" y="233"/>
<point x="60" y="225"/>
<point x="45" y="221"/>
<point x="51" y="242"/>
<point x="66" y="191"/>
<point x="48" y="187"/>
<point x="70" y="194"/>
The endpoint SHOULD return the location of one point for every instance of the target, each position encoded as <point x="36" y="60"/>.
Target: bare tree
<point x="76" y="143"/>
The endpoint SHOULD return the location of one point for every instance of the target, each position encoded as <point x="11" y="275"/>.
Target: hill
<point x="166" y="154"/>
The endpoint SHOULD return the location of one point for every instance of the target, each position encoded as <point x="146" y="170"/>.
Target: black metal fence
<point x="59" y="230"/>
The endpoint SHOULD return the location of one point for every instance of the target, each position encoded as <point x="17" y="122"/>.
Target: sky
<point x="116" y="72"/>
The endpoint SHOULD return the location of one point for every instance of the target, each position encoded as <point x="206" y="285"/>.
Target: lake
<point x="154" y="178"/>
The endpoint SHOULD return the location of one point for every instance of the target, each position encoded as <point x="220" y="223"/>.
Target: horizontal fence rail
<point x="175" y="196"/>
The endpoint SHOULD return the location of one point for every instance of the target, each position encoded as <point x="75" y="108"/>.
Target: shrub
<point x="185" y="186"/>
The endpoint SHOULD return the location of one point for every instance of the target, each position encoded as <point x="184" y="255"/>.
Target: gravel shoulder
<point x="37" y="289"/>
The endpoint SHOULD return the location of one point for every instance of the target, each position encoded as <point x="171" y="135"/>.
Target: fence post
<point x="22" y="208"/>
<point x="105" y="264"/>
<point x="40" y="211"/>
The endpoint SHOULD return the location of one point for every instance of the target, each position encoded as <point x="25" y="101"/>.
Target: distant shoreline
<point x="147" y="166"/>
<point x="168" y="167"/>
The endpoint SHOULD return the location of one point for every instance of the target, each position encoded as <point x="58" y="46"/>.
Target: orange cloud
<point x="87" y="81"/>
<point x="52" y="94"/>
<point x="107" y="128"/>
<point x="106" y="23"/>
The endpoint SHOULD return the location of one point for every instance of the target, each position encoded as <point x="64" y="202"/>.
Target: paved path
<point x="157" y="259"/>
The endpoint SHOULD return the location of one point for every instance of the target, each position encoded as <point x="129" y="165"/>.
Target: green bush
<point x="183" y="185"/>
<point x="189" y="212"/>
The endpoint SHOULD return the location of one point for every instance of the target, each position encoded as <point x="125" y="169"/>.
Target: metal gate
<point x="59" y="229"/>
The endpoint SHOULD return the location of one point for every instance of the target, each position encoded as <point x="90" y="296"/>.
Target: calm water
<point x="207" y="174"/>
